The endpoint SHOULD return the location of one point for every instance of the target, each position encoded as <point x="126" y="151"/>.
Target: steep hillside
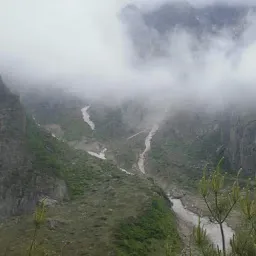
<point x="189" y="139"/>
<point x="54" y="107"/>
<point x="23" y="179"/>
<point x="94" y="207"/>
<point x="113" y="218"/>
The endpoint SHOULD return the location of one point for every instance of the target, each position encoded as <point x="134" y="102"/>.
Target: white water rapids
<point x="86" y="117"/>
<point x="147" y="148"/>
<point x="212" y="230"/>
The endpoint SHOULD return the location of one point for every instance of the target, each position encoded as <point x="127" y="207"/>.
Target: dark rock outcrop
<point x="191" y="138"/>
<point x="21" y="183"/>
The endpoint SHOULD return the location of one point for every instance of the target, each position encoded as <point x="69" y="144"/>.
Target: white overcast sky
<point x="81" y="44"/>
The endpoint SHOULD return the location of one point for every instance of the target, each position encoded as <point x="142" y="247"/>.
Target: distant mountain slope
<point x="189" y="138"/>
<point x="150" y="30"/>
<point x="193" y="137"/>
<point x="114" y="122"/>
<point x="201" y="19"/>
<point x="56" y="107"/>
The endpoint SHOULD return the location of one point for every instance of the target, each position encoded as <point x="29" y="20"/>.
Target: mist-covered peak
<point x="196" y="18"/>
<point x="178" y="50"/>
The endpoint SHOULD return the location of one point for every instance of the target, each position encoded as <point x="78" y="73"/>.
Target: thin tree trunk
<point x="223" y="240"/>
<point x="33" y="242"/>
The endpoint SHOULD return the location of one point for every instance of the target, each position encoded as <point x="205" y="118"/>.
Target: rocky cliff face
<point x="239" y="140"/>
<point x="189" y="139"/>
<point x="21" y="183"/>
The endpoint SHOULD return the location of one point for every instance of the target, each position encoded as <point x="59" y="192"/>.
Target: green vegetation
<point x="183" y="153"/>
<point x="164" y="161"/>
<point x="56" y="158"/>
<point x="39" y="219"/>
<point x="45" y="150"/>
<point x="220" y="201"/>
<point x="62" y="115"/>
<point x="121" y="215"/>
<point x="147" y="233"/>
<point x="104" y="201"/>
<point x="108" y="220"/>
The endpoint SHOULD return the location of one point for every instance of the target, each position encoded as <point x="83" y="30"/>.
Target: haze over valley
<point x="109" y="112"/>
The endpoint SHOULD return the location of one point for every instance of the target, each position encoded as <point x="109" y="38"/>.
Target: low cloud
<point x="84" y="47"/>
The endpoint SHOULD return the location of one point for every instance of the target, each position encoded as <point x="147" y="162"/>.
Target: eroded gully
<point x="102" y="154"/>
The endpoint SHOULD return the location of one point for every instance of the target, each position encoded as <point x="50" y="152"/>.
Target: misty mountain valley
<point x="128" y="128"/>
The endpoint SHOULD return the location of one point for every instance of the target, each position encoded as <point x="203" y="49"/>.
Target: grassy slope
<point x="100" y="224"/>
<point x="150" y="232"/>
<point x="109" y="210"/>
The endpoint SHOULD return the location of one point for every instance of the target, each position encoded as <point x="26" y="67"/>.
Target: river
<point x="212" y="229"/>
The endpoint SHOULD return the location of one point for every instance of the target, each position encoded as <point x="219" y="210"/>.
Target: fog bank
<point x="83" y="46"/>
